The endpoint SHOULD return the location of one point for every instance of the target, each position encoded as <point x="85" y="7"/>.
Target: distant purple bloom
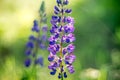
<point x="42" y="46"/>
<point x="28" y="52"/>
<point x="32" y="37"/>
<point x="30" y="44"/>
<point x="35" y="26"/>
<point x="37" y="41"/>
<point x="44" y="37"/>
<point x="27" y="62"/>
<point x="45" y="28"/>
<point x="39" y="61"/>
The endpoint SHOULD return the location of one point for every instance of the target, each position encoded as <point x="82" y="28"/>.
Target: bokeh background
<point x="97" y="24"/>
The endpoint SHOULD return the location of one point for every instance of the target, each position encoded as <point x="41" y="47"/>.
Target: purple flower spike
<point x="37" y="41"/>
<point x="61" y="46"/>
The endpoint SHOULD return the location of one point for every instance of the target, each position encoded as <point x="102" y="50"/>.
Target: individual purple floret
<point x="37" y="41"/>
<point x="39" y="61"/>
<point x="27" y="62"/>
<point x="35" y="26"/>
<point x="61" y="45"/>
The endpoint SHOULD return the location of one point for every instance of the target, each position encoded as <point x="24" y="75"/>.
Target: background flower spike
<point x="37" y="41"/>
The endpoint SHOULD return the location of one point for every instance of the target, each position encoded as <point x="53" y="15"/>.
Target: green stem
<point x="34" y="69"/>
<point x="62" y="16"/>
<point x="61" y="76"/>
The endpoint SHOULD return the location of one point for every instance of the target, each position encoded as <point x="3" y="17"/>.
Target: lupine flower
<point x="27" y="62"/>
<point x="61" y="56"/>
<point x="37" y="41"/>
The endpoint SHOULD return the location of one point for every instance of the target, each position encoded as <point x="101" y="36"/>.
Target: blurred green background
<point x="97" y="24"/>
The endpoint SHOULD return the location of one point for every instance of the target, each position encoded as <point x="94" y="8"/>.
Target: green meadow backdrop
<point x="97" y="31"/>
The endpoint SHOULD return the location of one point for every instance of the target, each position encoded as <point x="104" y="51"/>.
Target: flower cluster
<point x="37" y="41"/>
<point x="61" y="47"/>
